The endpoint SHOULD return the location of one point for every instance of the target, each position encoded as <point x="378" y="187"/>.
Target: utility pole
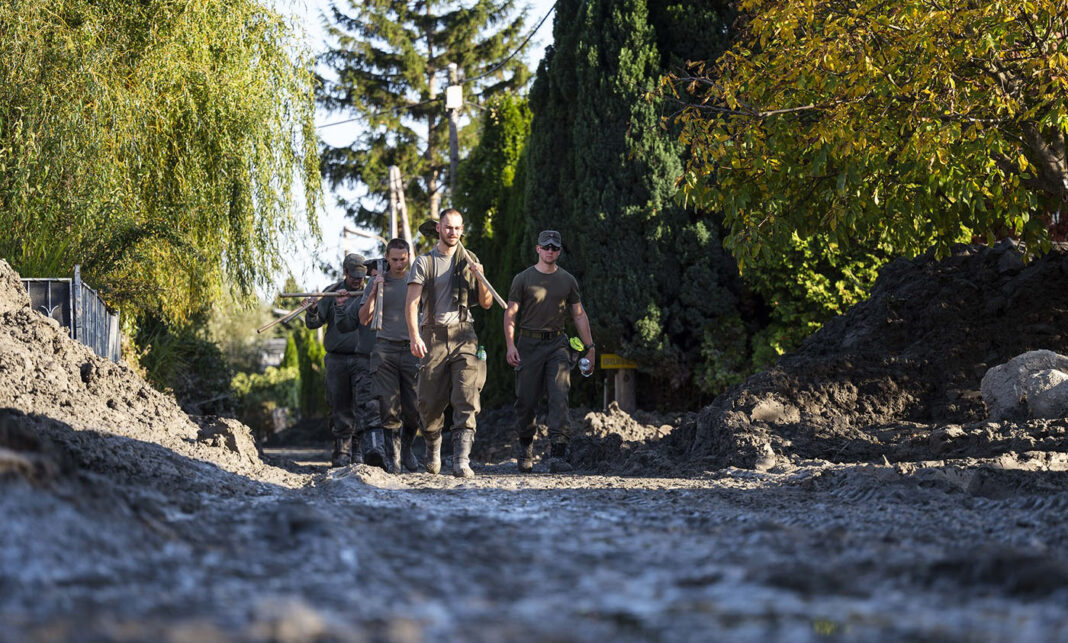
<point x="454" y="100"/>
<point x="398" y="207"/>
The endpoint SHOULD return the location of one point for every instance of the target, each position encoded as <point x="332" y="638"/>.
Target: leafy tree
<point x="655" y="279"/>
<point x="156" y="143"/>
<point x="389" y="61"/>
<point x="490" y="192"/>
<point x="883" y="125"/>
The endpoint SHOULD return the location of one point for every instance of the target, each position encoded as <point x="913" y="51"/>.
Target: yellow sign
<point x="611" y="360"/>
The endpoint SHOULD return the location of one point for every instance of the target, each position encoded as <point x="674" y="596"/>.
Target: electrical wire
<point x="517" y="49"/>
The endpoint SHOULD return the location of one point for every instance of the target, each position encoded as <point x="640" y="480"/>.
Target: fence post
<point x="76" y="303"/>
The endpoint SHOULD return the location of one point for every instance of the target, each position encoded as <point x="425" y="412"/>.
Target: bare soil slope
<point x="880" y="380"/>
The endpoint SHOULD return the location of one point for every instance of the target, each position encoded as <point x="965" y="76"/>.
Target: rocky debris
<point x="228" y="433"/>
<point x="908" y="359"/>
<point x="1032" y="385"/>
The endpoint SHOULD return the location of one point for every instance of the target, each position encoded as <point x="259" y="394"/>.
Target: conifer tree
<point x="390" y="63"/>
<point x="656" y="281"/>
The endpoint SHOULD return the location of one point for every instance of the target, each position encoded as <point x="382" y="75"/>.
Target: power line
<point x="517" y="49"/>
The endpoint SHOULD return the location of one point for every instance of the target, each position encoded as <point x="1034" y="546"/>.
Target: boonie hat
<point x="354" y="267"/>
<point x="547" y="237"/>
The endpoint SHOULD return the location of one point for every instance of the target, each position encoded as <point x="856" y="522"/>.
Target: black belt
<point x="396" y="342"/>
<point x="539" y="334"/>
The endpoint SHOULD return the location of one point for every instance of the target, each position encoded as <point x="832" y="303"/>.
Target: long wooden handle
<point x="286" y="317"/>
<point x="485" y="282"/>
<point x="376" y="319"/>
<point x="302" y="295"/>
<point x="331" y="291"/>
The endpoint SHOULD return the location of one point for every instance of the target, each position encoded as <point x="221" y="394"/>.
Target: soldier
<point x="538" y="301"/>
<point x="348" y="346"/>
<point x="440" y="285"/>
<point x="393" y="366"/>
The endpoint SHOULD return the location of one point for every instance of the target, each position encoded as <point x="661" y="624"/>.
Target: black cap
<point x="354" y="266"/>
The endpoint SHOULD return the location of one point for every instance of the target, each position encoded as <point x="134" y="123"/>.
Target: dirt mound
<point x="876" y="381"/>
<point x="48" y="380"/>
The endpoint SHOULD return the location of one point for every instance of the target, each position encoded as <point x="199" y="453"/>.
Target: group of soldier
<point x="386" y="387"/>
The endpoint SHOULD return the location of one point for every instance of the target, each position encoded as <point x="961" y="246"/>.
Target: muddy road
<point x="802" y="553"/>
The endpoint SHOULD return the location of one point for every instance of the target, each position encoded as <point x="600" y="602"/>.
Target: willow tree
<point x="159" y="144"/>
<point x="885" y="125"/>
<point x="390" y="62"/>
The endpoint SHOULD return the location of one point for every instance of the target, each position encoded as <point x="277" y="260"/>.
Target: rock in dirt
<point x="1031" y="385"/>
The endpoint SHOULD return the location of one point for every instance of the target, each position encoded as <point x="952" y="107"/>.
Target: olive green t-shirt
<point x="393" y="297"/>
<point x="544" y="299"/>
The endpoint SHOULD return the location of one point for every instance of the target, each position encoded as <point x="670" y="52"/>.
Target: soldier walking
<point x="393" y="366"/>
<point x="538" y="301"/>
<point x="348" y="344"/>
<point x="440" y="287"/>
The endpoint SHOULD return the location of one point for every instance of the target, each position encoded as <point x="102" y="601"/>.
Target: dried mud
<point x="850" y="493"/>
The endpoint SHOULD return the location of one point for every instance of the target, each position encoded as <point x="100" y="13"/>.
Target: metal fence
<point x="79" y="309"/>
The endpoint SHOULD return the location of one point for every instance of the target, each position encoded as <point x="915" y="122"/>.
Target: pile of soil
<point x="63" y="408"/>
<point x="881" y="380"/>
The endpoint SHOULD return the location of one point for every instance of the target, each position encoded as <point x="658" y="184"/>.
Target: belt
<point x="396" y="342"/>
<point x="539" y="334"/>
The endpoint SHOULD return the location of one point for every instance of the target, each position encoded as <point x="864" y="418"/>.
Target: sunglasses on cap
<point x="550" y="247"/>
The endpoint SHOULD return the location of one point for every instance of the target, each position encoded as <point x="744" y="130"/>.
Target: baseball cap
<point x="354" y="267"/>
<point x="550" y="237"/>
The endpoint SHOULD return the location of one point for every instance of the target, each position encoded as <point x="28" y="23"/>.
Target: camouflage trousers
<point x="353" y="407"/>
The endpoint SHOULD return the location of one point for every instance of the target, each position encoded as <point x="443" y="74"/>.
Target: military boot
<point x="408" y="459"/>
<point x="525" y="457"/>
<point x="376" y="450"/>
<point x="393" y="450"/>
<point x="433" y="452"/>
<point x="558" y="459"/>
<point x="342" y="454"/>
<point x="462" y="441"/>
<point x="357" y="448"/>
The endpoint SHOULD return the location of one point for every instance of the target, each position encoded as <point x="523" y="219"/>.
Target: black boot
<point x="376" y="450"/>
<point x="525" y="457"/>
<point x="462" y="441"/>
<point x="558" y="462"/>
<point x="408" y="459"/>
<point x="342" y="454"/>
<point x="393" y="451"/>
<point x="357" y="449"/>
<point x="433" y="452"/>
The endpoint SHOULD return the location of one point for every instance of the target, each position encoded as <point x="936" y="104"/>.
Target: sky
<point x="301" y="262"/>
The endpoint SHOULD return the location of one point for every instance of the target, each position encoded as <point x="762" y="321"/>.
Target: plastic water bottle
<point x="481" y="354"/>
<point x="585" y="367"/>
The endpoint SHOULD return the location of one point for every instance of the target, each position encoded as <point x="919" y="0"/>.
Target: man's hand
<point x="513" y="356"/>
<point x="342" y="297"/>
<point x="475" y="267"/>
<point x="419" y="348"/>
<point x="311" y="304"/>
<point x="592" y="356"/>
<point x="378" y="281"/>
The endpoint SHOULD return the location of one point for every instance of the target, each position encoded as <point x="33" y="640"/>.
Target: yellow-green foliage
<point x="883" y="124"/>
<point x="155" y="142"/>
